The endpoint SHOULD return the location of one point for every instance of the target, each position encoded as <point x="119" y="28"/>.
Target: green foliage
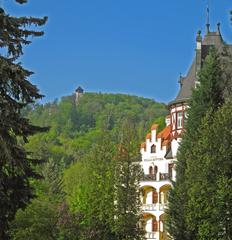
<point x="16" y="92"/>
<point x="40" y="220"/>
<point x="89" y="186"/>
<point x="104" y="187"/>
<point x="211" y="169"/>
<point x="75" y="127"/>
<point x="81" y="143"/>
<point x="127" y="196"/>
<point x="161" y="123"/>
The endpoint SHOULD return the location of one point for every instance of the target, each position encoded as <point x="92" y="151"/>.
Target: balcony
<point x="150" y="207"/>
<point x="148" y="177"/>
<point x="152" y="177"/>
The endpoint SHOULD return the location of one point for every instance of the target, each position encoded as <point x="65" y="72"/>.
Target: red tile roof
<point x="148" y="136"/>
<point x="154" y="126"/>
<point x="143" y="145"/>
<point x="165" y="133"/>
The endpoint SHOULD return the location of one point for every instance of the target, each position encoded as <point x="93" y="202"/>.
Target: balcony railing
<point x="149" y="207"/>
<point x="153" y="177"/>
<point x="151" y="235"/>
<point x="163" y="206"/>
<point x="148" y="177"/>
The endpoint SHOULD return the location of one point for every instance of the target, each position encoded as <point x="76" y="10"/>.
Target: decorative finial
<point x="219" y="28"/>
<point x="180" y="81"/>
<point x="199" y="38"/>
<point x="207" y="18"/>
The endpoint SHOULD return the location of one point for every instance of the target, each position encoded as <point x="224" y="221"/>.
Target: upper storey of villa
<point x="179" y="105"/>
<point x="157" y="145"/>
<point x="203" y="45"/>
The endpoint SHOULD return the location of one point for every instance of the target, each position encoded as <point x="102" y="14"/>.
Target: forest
<point x="75" y="196"/>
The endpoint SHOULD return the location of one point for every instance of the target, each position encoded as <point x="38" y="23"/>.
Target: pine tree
<point x="127" y="197"/>
<point x="208" y="96"/>
<point x="16" y="92"/>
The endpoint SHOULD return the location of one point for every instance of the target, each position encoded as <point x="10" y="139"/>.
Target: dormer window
<point x="153" y="148"/>
<point x="179" y="120"/>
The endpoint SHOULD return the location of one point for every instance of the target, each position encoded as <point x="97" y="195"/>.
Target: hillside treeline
<point x="90" y="187"/>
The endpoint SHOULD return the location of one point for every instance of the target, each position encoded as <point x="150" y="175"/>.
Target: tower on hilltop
<point x="78" y="94"/>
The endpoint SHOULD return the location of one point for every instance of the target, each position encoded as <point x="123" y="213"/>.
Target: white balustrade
<point x="151" y="235"/>
<point x="163" y="206"/>
<point x="149" y="207"/>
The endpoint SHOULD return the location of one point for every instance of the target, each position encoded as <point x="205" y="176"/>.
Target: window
<point x="170" y="167"/>
<point x="153" y="148"/>
<point x="185" y="116"/>
<point x="150" y="170"/>
<point x="154" y="225"/>
<point x="179" y="119"/>
<point x="174" y="120"/>
<point x="155" y="170"/>
<point x="154" y="197"/>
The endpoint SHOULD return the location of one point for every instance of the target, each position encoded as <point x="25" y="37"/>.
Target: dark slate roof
<point x="79" y="90"/>
<point x="188" y="82"/>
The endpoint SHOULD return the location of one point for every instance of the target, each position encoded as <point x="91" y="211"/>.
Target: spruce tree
<point x="210" y="200"/>
<point x="16" y="92"/>
<point x="208" y="95"/>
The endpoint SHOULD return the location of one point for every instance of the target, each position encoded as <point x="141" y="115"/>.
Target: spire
<point x="1" y="7"/>
<point x="207" y="19"/>
<point x="219" y="28"/>
<point x="199" y="38"/>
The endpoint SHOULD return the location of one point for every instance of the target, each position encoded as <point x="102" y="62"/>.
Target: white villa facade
<point x="158" y="166"/>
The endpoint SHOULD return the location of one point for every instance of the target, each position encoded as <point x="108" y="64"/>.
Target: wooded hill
<point x="89" y="156"/>
<point x="74" y="127"/>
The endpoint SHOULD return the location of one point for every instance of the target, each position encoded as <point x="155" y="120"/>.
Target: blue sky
<point x="137" y="47"/>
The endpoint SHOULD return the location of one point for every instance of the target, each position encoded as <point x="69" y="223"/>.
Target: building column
<point x="162" y="197"/>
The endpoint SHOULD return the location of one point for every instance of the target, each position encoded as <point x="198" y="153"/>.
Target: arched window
<point x="150" y="170"/>
<point x="155" y="170"/>
<point x="153" y="148"/>
<point x="154" y="225"/>
<point x="154" y="197"/>
<point x="170" y="167"/>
